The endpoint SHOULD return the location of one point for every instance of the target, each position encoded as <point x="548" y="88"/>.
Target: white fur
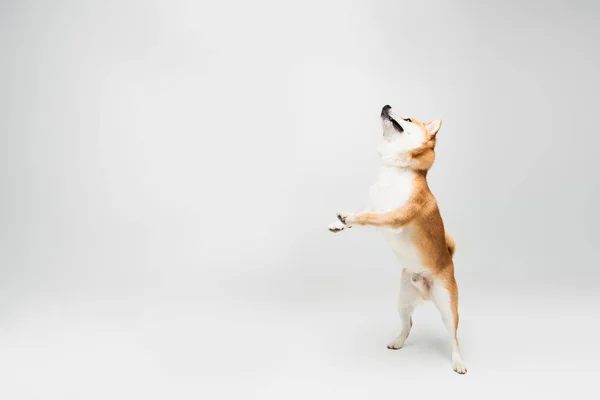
<point x="337" y="226"/>
<point x="408" y="299"/>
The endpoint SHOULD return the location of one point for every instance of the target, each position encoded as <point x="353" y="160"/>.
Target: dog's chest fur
<point x="391" y="191"/>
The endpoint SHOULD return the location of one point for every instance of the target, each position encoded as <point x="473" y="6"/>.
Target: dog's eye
<point x="408" y="119"/>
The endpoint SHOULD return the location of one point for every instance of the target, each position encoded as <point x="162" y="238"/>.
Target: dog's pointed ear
<point x="433" y="127"/>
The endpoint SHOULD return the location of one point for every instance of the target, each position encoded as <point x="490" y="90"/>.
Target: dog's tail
<point x="451" y="244"/>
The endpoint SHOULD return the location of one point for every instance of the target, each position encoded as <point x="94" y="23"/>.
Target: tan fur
<point x="451" y="244"/>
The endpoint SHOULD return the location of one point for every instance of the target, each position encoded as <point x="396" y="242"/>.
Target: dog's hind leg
<point x="444" y="293"/>
<point x="408" y="299"/>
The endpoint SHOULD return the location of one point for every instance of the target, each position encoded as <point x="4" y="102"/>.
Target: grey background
<point x="168" y="170"/>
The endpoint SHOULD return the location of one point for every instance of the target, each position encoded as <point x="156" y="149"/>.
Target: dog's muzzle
<point x="385" y="114"/>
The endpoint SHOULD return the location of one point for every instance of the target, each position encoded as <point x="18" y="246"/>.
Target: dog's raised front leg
<point x="339" y="225"/>
<point x="390" y="219"/>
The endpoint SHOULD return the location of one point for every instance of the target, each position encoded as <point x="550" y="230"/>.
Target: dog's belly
<point x="401" y="243"/>
<point x="392" y="191"/>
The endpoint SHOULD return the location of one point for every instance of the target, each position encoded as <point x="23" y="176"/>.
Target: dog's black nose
<point x="385" y="111"/>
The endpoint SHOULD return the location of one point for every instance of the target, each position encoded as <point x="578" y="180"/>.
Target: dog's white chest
<point x="392" y="190"/>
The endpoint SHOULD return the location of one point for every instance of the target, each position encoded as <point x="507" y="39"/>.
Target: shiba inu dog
<point x="403" y="208"/>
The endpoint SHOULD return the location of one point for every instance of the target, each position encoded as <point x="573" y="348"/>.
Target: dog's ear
<point x="433" y="127"/>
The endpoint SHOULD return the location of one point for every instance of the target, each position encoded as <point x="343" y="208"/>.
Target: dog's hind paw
<point x="459" y="367"/>
<point x="395" y="344"/>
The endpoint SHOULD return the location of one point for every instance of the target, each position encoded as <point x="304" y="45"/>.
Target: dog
<point x="403" y="208"/>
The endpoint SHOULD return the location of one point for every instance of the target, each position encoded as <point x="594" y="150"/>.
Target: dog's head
<point x="407" y="142"/>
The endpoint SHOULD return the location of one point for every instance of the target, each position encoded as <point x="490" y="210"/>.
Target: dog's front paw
<point x="347" y="219"/>
<point x="336" y="226"/>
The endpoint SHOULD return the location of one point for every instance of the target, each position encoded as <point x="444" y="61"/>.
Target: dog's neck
<point x="392" y="174"/>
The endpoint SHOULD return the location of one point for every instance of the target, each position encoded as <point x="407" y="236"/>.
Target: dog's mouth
<point x="385" y="115"/>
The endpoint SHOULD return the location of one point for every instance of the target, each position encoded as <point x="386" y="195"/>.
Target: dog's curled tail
<point x="451" y="245"/>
